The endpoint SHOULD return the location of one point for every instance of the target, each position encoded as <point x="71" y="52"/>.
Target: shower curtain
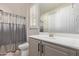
<point x="12" y="32"/>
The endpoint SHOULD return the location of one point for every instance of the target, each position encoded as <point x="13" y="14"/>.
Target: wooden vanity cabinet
<point x="43" y="48"/>
<point x="50" y="49"/>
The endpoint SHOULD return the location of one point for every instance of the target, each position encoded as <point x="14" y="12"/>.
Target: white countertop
<point x="65" y="41"/>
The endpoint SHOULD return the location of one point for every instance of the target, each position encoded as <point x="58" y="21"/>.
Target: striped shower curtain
<point x="12" y="32"/>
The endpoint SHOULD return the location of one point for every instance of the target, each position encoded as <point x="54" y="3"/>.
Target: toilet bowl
<point x="24" y="49"/>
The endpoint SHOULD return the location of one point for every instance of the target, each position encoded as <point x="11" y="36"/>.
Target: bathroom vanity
<point x="43" y="45"/>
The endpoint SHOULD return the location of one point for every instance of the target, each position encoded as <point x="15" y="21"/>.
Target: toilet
<point x="24" y="49"/>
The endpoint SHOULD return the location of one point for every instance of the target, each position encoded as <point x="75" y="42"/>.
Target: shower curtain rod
<point x="12" y="14"/>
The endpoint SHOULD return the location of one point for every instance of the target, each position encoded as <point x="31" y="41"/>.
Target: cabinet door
<point x="33" y="47"/>
<point x="54" y="50"/>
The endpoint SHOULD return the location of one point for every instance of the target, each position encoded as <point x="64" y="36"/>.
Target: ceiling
<point x="15" y="8"/>
<point x="45" y="7"/>
<point x="16" y="4"/>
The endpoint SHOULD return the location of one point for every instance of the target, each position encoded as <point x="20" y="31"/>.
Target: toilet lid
<point x="23" y="46"/>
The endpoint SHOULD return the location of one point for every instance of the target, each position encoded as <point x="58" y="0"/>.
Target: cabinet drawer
<point x="59" y="50"/>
